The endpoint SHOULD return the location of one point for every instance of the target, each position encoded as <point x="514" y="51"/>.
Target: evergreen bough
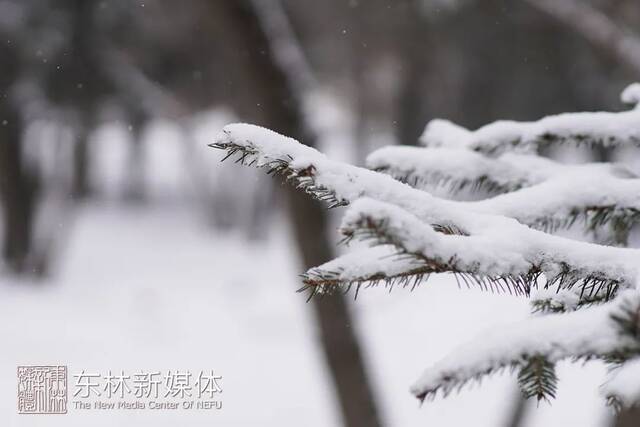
<point x="584" y="296"/>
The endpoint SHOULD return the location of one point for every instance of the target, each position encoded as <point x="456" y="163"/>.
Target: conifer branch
<point x="593" y="332"/>
<point x="453" y="169"/>
<point x="557" y="204"/>
<point x="604" y="129"/>
<point x="413" y="234"/>
<point x="538" y="379"/>
<point x="545" y="301"/>
<point x="564" y="195"/>
<point x="339" y="183"/>
<point x="419" y="251"/>
<point x="583" y="197"/>
<point x="593" y="194"/>
<point x="301" y="178"/>
<point x="458" y="168"/>
<point x="404" y="267"/>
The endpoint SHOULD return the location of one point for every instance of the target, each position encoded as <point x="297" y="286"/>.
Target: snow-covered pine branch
<point x="548" y="205"/>
<point x="584" y="196"/>
<point x="369" y="267"/>
<point x="458" y="169"/>
<point x="339" y="184"/>
<point x="333" y="182"/>
<point x="484" y="243"/>
<point x="551" y="195"/>
<point x="609" y="332"/>
<point x="584" y="128"/>
<point x="515" y="263"/>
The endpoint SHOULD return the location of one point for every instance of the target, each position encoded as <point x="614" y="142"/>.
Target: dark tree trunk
<point x="337" y="334"/>
<point x="18" y="181"/>
<point x="79" y="86"/>
<point x="135" y="187"/>
<point x="268" y="86"/>
<point x="518" y="412"/>
<point x="628" y="418"/>
<point x="414" y="46"/>
<point x="80" y="185"/>
<point x="85" y="91"/>
<point x="17" y="193"/>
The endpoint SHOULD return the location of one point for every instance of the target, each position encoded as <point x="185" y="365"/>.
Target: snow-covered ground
<point x="152" y="287"/>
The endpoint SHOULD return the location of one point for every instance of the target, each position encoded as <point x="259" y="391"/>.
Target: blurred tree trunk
<point x="518" y="411"/>
<point x="79" y="86"/>
<point x="80" y="184"/>
<point x="610" y="37"/>
<point x="414" y="45"/>
<point x="135" y="189"/>
<point x="270" y="88"/>
<point x="17" y="192"/>
<point x="82" y="46"/>
<point x="17" y="181"/>
<point x="628" y="418"/>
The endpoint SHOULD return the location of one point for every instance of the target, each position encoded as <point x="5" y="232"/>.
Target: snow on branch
<point x="546" y="206"/>
<point x="546" y="301"/>
<point x="609" y="331"/>
<point x="333" y="182"/>
<point x="579" y="195"/>
<point x="368" y="267"/>
<point x="622" y="389"/>
<point x="585" y="128"/>
<point x="413" y="250"/>
<point x="558" y="195"/>
<point x="515" y="263"/>
<point x="562" y="261"/>
<point x="631" y="95"/>
<point x="413" y="234"/>
<point x="458" y="169"/>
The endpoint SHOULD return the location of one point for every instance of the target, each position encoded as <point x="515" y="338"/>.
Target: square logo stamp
<point x="42" y="389"/>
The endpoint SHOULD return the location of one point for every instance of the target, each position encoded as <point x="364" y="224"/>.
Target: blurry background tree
<point x="381" y="70"/>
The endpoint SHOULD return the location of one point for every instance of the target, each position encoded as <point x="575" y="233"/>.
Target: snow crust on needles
<point x="351" y="183"/>
<point x="560" y="196"/>
<point x="511" y="171"/>
<point x="609" y="127"/>
<point x="515" y="249"/>
<point x="606" y="127"/>
<point x="631" y="95"/>
<point x="367" y="262"/>
<point x="552" y="190"/>
<point x="470" y="252"/>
